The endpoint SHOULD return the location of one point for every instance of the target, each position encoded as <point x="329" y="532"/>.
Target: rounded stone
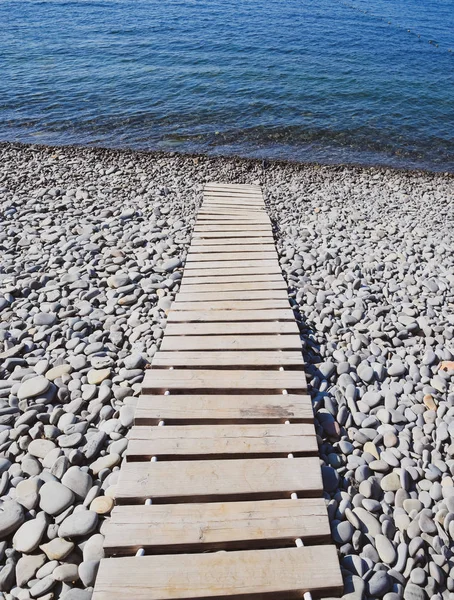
<point x="58" y="371"/>
<point x="27" y="492"/>
<point x="35" y="386"/>
<point x="46" y="319"/>
<point x="28" y="536"/>
<point x="78" y="524"/>
<point x="385" y="549"/>
<point x="390" y="482"/>
<point x="94" y="548"/>
<point x="57" y="549"/>
<point x="102" y="505"/>
<point x="88" y="571"/>
<point x="379" y="584"/>
<point x="418" y="576"/>
<point x="105" y="462"/>
<point x="97" y="376"/>
<point x="55" y="498"/>
<point x="40" y="447"/>
<point x="27" y="566"/>
<point x="414" y="592"/>
<point x="11" y="517"/>
<point x="342" y="532"/>
<point x="78" y="481"/>
<point x="330" y="478"/>
<point x="68" y="572"/>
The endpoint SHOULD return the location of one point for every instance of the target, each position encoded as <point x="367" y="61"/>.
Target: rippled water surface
<point x="311" y="80"/>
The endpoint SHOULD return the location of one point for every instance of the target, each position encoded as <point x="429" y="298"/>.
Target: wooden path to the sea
<point x="220" y="495"/>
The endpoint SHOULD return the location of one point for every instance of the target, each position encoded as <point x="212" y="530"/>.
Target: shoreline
<point x="283" y="163"/>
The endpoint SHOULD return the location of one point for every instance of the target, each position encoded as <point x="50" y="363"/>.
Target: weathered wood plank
<point x="195" y="316"/>
<point x="232" y="342"/>
<point x="229" y="191"/>
<point x="218" y="480"/>
<point x="231" y="327"/>
<point x="233" y="194"/>
<point x="200" y="408"/>
<point x="245" y="219"/>
<point x="242" y="295"/>
<point x="234" y="241"/>
<point x="191" y="279"/>
<point x="197" y="257"/>
<point x="202" y="228"/>
<point x="281" y="574"/>
<point x="232" y="305"/>
<point x="241" y="200"/>
<point x="233" y="249"/>
<point x="204" y="271"/>
<point x="271" y="264"/>
<point x="217" y="185"/>
<point x="233" y="213"/>
<point x="257" y="286"/>
<point x="235" y="234"/>
<point x="200" y="379"/>
<point x="217" y="441"/>
<point x="162" y="528"/>
<point x="242" y="358"/>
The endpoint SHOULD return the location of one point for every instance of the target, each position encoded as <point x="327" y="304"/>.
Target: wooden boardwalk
<point x="220" y="495"/>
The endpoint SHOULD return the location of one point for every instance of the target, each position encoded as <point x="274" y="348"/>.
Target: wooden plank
<point x="197" y="257"/>
<point x="282" y="573"/>
<point x="246" y="219"/>
<point x="233" y="214"/>
<point x="271" y="264"/>
<point x="258" y="208"/>
<point x="236" y="189"/>
<point x="204" y="271"/>
<point x="233" y="249"/>
<point x="242" y="204"/>
<point x="238" y="199"/>
<point x="218" y="480"/>
<point x="233" y="192"/>
<point x="202" y="227"/>
<point x="235" y="226"/>
<point x="200" y="379"/>
<point x="232" y="186"/>
<point x="221" y="223"/>
<point x="232" y="342"/>
<point x="162" y="528"/>
<point x="230" y="328"/>
<point x="244" y="295"/>
<point x="235" y="234"/>
<point x="200" y="408"/>
<point x="207" y="358"/>
<point x="258" y="286"/>
<point x="231" y="304"/>
<point x="234" y="241"/>
<point x="232" y="278"/>
<point x="195" y="316"/>
<point x="229" y="189"/>
<point x="221" y="441"/>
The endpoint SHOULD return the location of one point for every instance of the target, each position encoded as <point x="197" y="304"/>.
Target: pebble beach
<point x="92" y="246"/>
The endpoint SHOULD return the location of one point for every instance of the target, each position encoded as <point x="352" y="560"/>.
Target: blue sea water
<point x="332" y="81"/>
